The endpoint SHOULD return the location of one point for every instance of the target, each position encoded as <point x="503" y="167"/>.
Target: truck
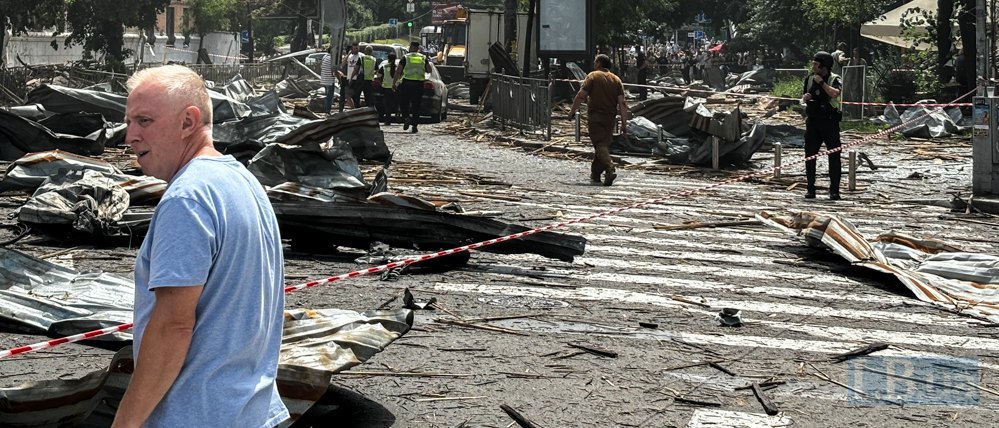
<point x="483" y="28"/>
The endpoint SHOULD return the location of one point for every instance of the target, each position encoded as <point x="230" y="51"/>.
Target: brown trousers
<point x="601" y="127"/>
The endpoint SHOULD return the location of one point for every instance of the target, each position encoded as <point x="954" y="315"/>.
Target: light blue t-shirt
<point x="215" y="226"/>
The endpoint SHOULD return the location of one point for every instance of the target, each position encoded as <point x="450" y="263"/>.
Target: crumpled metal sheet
<point x="29" y="172"/>
<point x="85" y="135"/>
<point x="44" y="298"/>
<point x="705" y="418"/>
<point x="91" y="204"/>
<point x="330" y="165"/>
<point x="935" y="272"/>
<point x="316" y="345"/>
<point x="61" y="99"/>
<point x="930" y="122"/>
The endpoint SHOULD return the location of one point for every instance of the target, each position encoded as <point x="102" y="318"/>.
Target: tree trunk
<point x="249" y="29"/>
<point x="298" y="43"/>
<point x="510" y="24"/>
<point x="966" y="23"/>
<point x="945" y="9"/>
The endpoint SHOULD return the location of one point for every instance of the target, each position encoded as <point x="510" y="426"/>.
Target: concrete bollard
<point x="715" y="162"/>
<point x="778" y="152"/>
<point x="852" y="174"/>
<point x="578" y="136"/>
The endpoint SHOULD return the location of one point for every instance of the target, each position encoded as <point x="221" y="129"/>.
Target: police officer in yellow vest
<point x="388" y="103"/>
<point x="367" y="76"/>
<point x="412" y="75"/>
<point x="822" y="116"/>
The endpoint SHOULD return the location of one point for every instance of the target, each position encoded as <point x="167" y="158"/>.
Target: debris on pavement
<point x="729" y="317"/>
<point x="934" y="271"/>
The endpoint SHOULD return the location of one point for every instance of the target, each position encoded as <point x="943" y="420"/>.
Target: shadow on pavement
<point x="343" y="408"/>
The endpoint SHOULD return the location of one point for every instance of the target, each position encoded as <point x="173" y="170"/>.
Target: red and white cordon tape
<point x="425" y="257"/>
<point x="905" y="105"/>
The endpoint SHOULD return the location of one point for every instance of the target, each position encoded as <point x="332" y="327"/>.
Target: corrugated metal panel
<point x="935" y="271"/>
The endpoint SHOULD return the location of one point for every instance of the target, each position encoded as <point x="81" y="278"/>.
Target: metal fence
<point x="523" y="103"/>
<point x="854" y="91"/>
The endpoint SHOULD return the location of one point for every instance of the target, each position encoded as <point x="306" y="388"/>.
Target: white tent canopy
<point x="888" y="29"/>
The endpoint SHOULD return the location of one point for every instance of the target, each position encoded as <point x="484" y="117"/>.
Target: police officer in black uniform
<point x="822" y="116"/>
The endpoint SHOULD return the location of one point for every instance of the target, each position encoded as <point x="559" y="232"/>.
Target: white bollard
<point x="778" y="149"/>
<point x="852" y="175"/>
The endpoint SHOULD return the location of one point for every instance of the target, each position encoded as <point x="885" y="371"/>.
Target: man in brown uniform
<point x="606" y="96"/>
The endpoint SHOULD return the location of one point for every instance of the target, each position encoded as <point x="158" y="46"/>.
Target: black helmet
<point x="824" y="58"/>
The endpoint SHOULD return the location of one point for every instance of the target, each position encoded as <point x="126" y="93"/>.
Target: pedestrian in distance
<point x="326" y="80"/>
<point x="209" y="276"/>
<point x="822" y="117"/>
<point x="839" y="58"/>
<point x="367" y="76"/>
<point x="642" y="64"/>
<point x="352" y="68"/>
<point x="603" y="93"/>
<point x="389" y="102"/>
<point x="412" y="75"/>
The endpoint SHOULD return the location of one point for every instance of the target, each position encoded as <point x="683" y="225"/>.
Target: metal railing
<point x="523" y="103"/>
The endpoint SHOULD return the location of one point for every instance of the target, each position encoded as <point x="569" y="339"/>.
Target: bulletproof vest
<point x="821" y="103"/>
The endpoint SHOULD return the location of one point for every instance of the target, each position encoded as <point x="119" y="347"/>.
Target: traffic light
<point x="409" y="24"/>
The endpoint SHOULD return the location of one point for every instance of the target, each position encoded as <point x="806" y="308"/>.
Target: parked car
<point x="314" y="58"/>
<point x="434" y="101"/>
<point x="381" y="51"/>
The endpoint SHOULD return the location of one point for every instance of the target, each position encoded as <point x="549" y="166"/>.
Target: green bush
<point x="790" y="88"/>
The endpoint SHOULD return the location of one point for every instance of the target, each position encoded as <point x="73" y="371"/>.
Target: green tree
<point x="99" y="25"/>
<point x="34" y="15"/>
<point x="206" y="16"/>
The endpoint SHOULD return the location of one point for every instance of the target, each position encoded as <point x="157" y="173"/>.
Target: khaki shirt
<point x="603" y="88"/>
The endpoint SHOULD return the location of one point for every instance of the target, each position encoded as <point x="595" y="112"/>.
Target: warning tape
<point x="425" y="257"/>
<point x="906" y="105"/>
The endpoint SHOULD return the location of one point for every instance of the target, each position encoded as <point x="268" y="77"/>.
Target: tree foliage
<point x="23" y="16"/>
<point x="99" y="26"/>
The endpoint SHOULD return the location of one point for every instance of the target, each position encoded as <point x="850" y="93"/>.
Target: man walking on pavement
<point x="604" y="94"/>
<point x="412" y="72"/>
<point x="822" y="116"/>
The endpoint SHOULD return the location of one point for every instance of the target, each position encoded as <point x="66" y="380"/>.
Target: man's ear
<point x="192" y="118"/>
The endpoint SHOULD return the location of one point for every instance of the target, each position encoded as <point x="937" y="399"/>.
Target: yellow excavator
<point x="454" y="33"/>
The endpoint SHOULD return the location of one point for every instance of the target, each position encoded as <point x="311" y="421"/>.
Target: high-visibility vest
<point x="387" y="76"/>
<point x="834" y="102"/>
<point x="368" y="66"/>
<point x="414" y="67"/>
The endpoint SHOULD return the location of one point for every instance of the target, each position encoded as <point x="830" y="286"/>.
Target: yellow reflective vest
<point x="414" y="67"/>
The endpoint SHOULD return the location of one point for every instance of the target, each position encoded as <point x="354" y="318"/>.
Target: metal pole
<point x="863" y="90"/>
<point x="852" y="175"/>
<point x="715" y="162"/>
<point x="660" y="129"/>
<point x="778" y="152"/>
<point x="982" y="46"/>
<point x="578" y="136"/>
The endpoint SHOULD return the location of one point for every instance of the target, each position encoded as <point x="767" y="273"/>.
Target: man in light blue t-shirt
<point x="209" y="295"/>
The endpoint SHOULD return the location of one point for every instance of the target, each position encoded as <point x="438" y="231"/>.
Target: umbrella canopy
<point x="888" y="29"/>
